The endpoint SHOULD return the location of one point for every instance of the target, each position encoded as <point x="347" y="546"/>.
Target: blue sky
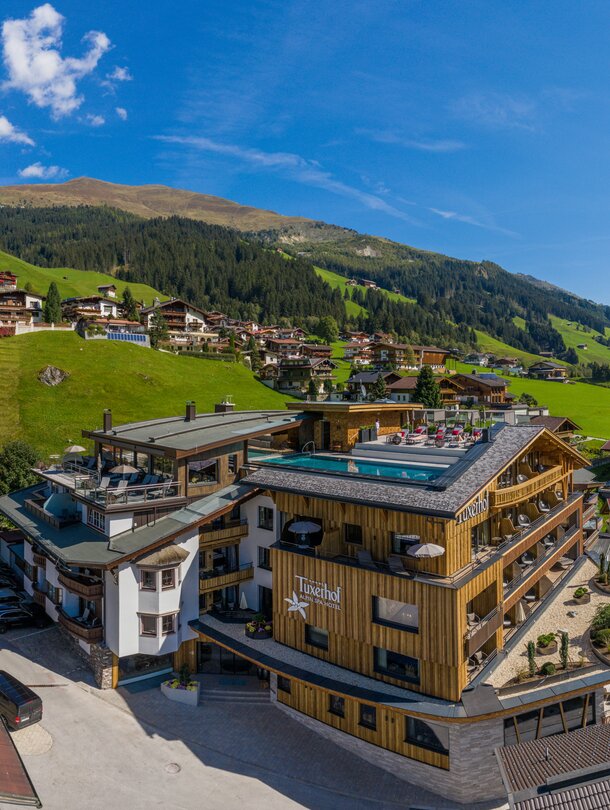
<point x="478" y="129"/>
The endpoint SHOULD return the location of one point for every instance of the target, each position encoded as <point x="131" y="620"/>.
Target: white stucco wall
<point x="248" y="550"/>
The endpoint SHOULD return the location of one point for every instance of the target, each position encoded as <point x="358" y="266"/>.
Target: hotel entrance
<point x="215" y="660"/>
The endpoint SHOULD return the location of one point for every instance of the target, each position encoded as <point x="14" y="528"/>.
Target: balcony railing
<point x="216" y="580"/>
<point x="85" y="630"/>
<point x="82" y="586"/>
<point x="39" y="598"/>
<point x="35" y="505"/>
<point x="479" y="633"/>
<point x="538" y="562"/>
<point x="509" y="496"/>
<point x="232" y="529"/>
<point x="39" y="559"/>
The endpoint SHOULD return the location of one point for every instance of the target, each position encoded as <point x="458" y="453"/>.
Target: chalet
<point x="8" y="281"/>
<point x="117" y="329"/>
<point x="477" y="359"/>
<point x="315" y="350"/>
<point x="73" y="309"/>
<point x="507" y="363"/>
<point x="561" y="426"/>
<point x="359" y="385"/>
<point x="483" y="388"/>
<point x="281" y="348"/>
<point x="357" y="337"/>
<point x="403" y="390"/>
<point x="19" y="307"/>
<point x="404" y="356"/>
<point x="582" y="346"/>
<point x="548" y="370"/>
<point x="370" y="285"/>
<point x="382" y="337"/>
<point x="295" y="373"/>
<point x="179" y="315"/>
<point x="107" y="290"/>
<point x="359" y="354"/>
<point x="351" y="282"/>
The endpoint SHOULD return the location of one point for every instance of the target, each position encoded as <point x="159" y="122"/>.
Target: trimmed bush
<point x="602" y="637"/>
<point x="548" y="669"/>
<point x="582" y="591"/>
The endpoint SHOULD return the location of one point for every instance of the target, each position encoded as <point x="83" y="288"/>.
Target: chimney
<point x="107" y="420"/>
<point x="224" y="407"/>
<point x="191" y="411"/>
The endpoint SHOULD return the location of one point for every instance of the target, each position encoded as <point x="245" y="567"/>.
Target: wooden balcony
<point x="39" y="598"/>
<point x="210" y="581"/>
<point x="510" y="496"/>
<point x="477" y="635"/>
<point x="85" y="631"/>
<point x="39" y="559"/>
<point x="232" y="530"/>
<point x="82" y="586"/>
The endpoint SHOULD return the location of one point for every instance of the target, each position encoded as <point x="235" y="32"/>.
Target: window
<point x="168" y="579"/>
<point x="283" y="684"/>
<point x="395" y="614"/>
<point x="402" y="542"/>
<point x="368" y="716"/>
<point x="54" y="594"/>
<point x="168" y="624"/>
<point x="548" y="721"/>
<point x="29" y="571"/>
<point x="232" y="463"/>
<point x="396" y="665"/>
<point x="336" y="705"/>
<point x="264" y="558"/>
<point x="148" y="580"/>
<point x="96" y="519"/>
<point x="432" y="736"/>
<point x="316" y="636"/>
<point x="352" y="533"/>
<point x="148" y="625"/>
<point x="265" y="518"/>
<point x="203" y="472"/>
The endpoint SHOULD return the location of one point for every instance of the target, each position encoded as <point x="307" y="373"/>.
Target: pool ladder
<point x="306" y="445"/>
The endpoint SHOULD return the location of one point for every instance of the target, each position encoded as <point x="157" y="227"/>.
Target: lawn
<point x="71" y="283"/>
<point x="573" y="336"/>
<point x="500" y="349"/>
<point x="136" y="383"/>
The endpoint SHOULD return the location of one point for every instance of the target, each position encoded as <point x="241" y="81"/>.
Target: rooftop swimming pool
<point x="358" y="466"/>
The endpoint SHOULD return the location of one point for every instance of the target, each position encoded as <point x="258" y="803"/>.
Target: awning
<point x="163" y="557"/>
<point x="15" y="784"/>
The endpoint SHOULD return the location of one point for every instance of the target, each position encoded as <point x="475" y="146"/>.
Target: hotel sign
<point x="474" y="509"/>
<point x="313" y="592"/>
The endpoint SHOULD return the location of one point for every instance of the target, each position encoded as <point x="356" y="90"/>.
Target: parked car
<point x="9" y="597"/>
<point x="22" y="615"/>
<point x="18" y="704"/>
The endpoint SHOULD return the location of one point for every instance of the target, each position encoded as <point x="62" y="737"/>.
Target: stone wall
<point x="99" y="660"/>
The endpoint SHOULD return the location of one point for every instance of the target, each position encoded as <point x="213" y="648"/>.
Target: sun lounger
<point x="365" y="560"/>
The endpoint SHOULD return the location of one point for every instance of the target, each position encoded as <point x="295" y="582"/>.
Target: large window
<point x="550" y="719"/>
<point x="264" y="558"/>
<point x="396" y="665"/>
<point x="352" y="533"/>
<point x="336" y="705"/>
<point x="368" y="716"/>
<point x="402" y="542"/>
<point x="265" y="518"/>
<point x="148" y="580"/>
<point x="316" y="636"/>
<point x="148" y="625"/>
<point x="432" y="736"/>
<point x="95" y="518"/>
<point x="395" y="614"/>
<point x="203" y="472"/>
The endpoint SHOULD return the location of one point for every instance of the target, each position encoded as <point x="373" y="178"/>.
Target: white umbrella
<point x="425" y="550"/>
<point x="304" y="527"/>
<point x="243" y="602"/>
<point x="74" y="449"/>
<point x="520" y="615"/>
<point x="123" y="469"/>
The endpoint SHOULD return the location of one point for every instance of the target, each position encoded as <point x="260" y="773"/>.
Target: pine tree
<point x="158" y="330"/>
<point x="410" y="359"/>
<point x="427" y="390"/>
<point x="379" y="389"/>
<point x="52" y="306"/>
<point x="328" y="329"/>
<point x="129" y="305"/>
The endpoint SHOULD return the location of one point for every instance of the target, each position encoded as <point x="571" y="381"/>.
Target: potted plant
<point x="259" y="628"/>
<point x="181" y="689"/>
<point x="546" y="644"/>
<point x="582" y="596"/>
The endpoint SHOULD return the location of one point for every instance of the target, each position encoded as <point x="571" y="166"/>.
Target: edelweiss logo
<point x="294" y="605"/>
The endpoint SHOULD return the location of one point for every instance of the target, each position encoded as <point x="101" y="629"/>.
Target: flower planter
<point x="551" y="649"/>
<point x="188" y="696"/>
<point x="259" y="634"/>
<point x="583" y="600"/>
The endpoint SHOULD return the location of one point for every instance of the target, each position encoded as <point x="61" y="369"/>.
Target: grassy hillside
<point x="135" y="383"/>
<point x="573" y="336"/>
<point x="70" y="282"/>
<point x="500" y="349"/>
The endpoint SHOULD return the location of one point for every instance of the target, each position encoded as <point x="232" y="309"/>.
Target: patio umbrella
<point x="74" y="449"/>
<point x="421" y="550"/>
<point x="243" y="602"/>
<point x="520" y="614"/>
<point x="124" y="469"/>
<point x="304" y="527"/>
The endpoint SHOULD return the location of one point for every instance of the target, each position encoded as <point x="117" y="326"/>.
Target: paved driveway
<point x="131" y="748"/>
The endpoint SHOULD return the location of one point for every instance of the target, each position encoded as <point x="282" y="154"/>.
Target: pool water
<point x="359" y="466"/>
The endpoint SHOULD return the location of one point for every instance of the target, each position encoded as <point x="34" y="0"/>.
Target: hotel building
<point x="389" y="653"/>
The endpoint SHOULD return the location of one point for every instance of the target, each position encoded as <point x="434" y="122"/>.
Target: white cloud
<point x="121" y="112"/>
<point x="39" y="172"/>
<point x="308" y="172"/>
<point x="10" y="133"/>
<point x="498" y="110"/>
<point x="119" y="74"/>
<point x="95" y="120"/>
<point x="390" y="137"/>
<point x="468" y="220"/>
<point x="35" y="66"/>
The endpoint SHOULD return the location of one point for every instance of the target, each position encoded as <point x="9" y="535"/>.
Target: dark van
<point x="18" y="704"/>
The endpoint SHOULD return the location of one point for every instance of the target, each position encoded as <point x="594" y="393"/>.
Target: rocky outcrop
<point x="50" y="375"/>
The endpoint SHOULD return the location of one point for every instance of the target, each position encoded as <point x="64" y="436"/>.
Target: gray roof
<point x="463" y="480"/>
<point x="79" y="544"/>
<point x="490" y="380"/>
<point x="176" y="433"/>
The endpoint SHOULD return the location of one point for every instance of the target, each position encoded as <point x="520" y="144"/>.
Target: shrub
<point x="601" y="620"/>
<point x="185" y="675"/>
<point x="602" y="637"/>
<point x="564" y="651"/>
<point x="531" y="658"/>
<point x="546" y="639"/>
<point x="548" y="669"/>
<point x="580" y="592"/>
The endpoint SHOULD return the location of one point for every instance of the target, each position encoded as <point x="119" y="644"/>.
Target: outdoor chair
<point x="523" y="521"/>
<point x="525" y="469"/>
<point x="532" y="511"/>
<point x="543" y="506"/>
<point x="395" y="564"/>
<point x="84" y="618"/>
<point x="472" y="619"/>
<point x="521" y="478"/>
<point x="365" y="560"/>
<point x="507" y="529"/>
<point x="105" y="482"/>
